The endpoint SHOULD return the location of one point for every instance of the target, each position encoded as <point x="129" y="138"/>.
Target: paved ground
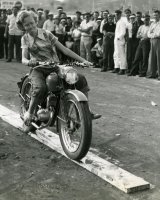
<point x="128" y="135"/>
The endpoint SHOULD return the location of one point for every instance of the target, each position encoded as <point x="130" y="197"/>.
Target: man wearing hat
<point x="130" y="18"/>
<point x="108" y="44"/>
<point x="96" y="27"/>
<point x="143" y="49"/>
<point x="18" y="4"/>
<point x="41" y="19"/>
<point x="120" y="62"/>
<point x="49" y="23"/>
<point x="14" y="37"/>
<point x="77" y="18"/>
<point x="105" y="19"/>
<point x="86" y="28"/>
<point x="60" y="10"/>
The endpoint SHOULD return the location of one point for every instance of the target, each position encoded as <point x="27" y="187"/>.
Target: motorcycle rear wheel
<point x="26" y="93"/>
<point x="75" y="127"/>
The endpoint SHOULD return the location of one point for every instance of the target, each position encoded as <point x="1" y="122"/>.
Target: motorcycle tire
<point x="66" y="123"/>
<point x="26" y="93"/>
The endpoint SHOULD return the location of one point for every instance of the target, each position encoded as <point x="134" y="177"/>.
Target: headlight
<point x="71" y="76"/>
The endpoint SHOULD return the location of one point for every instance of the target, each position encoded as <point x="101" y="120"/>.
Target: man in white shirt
<point x="154" y="58"/>
<point x="86" y="28"/>
<point x="14" y="36"/>
<point x="120" y="62"/>
<point x="49" y="23"/>
<point x="140" y="63"/>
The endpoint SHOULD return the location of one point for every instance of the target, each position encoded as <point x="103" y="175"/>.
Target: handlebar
<point x="78" y="64"/>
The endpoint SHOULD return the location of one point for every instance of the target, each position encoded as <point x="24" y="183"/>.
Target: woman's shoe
<point x="27" y="129"/>
<point x="95" y="116"/>
<point x="27" y="118"/>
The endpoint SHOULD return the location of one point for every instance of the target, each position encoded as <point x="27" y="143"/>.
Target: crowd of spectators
<point x="125" y="43"/>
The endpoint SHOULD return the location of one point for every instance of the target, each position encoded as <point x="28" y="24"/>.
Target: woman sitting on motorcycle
<point x="40" y="45"/>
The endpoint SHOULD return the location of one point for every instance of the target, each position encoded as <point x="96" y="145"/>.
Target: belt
<point x="76" y="39"/>
<point x="86" y="36"/>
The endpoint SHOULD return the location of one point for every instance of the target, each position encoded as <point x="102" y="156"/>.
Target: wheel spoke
<point x="72" y="135"/>
<point x="70" y="111"/>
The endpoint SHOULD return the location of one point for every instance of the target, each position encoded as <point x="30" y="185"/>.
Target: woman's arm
<point x="25" y="60"/>
<point x="32" y="62"/>
<point x="68" y="52"/>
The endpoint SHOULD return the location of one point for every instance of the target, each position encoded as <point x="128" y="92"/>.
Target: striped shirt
<point x="42" y="47"/>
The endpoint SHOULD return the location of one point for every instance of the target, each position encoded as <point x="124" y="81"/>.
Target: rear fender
<point x="20" y="83"/>
<point x="77" y="94"/>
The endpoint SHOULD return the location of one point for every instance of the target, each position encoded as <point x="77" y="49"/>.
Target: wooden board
<point x="109" y="172"/>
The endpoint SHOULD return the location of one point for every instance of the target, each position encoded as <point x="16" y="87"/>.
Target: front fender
<point x="77" y="94"/>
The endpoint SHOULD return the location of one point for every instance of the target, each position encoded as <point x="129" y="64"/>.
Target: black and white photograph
<point x="80" y="100"/>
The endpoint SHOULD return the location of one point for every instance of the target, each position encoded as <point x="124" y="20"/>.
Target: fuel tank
<point x="52" y="82"/>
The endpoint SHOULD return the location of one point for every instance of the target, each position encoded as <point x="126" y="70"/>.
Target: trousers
<point x="154" y="58"/>
<point x="85" y="47"/>
<point x="14" y="40"/>
<point x="108" y="50"/>
<point x="120" y="60"/>
<point x="142" y="54"/>
<point x="3" y="47"/>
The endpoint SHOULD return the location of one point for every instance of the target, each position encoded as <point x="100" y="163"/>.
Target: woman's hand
<point x="87" y="63"/>
<point x="32" y="63"/>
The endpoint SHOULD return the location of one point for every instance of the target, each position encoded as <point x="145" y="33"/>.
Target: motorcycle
<point x="64" y="107"/>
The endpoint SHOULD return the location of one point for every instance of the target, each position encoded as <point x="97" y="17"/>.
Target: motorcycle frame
<point x="76" y="93"/>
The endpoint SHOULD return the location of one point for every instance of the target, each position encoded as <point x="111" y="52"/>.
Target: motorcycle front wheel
<point x="74" y="127"/>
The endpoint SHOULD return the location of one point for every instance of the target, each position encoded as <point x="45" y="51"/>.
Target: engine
<point x="43" y="115"/>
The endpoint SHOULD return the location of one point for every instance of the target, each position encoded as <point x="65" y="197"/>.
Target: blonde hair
<point x="22" y="15"/>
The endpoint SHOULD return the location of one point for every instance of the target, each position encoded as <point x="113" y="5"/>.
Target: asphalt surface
<point x="128" y="135"/>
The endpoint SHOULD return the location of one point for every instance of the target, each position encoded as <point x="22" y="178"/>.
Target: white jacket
<point x="120" y="31"/>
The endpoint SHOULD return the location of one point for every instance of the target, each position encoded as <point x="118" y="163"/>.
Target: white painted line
<point x="109" y="172"/>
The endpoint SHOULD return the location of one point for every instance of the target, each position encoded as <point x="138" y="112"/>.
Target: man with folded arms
<point x="86" y="28"/>
<point x="140" y="63"/>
